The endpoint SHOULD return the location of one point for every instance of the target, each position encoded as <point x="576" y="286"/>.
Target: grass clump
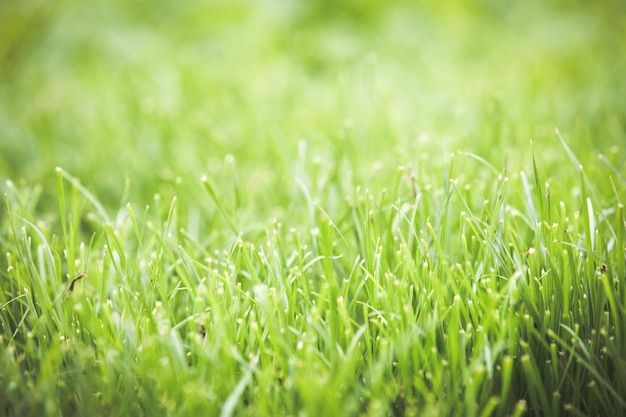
<point x="351" y="228"/>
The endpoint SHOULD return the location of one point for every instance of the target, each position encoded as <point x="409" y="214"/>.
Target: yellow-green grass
<point x="351" y="208"/>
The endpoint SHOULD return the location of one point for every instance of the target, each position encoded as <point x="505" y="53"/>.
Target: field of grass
<point x="313" y="208"/>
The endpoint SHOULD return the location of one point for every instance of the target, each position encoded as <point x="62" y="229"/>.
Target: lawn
<point x="313" y="208"/>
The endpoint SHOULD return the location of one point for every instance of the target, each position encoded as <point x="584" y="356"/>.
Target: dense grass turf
<point x="314" y="208"/>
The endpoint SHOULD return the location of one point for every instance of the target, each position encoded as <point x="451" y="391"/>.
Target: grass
<point x="315" y="209"/>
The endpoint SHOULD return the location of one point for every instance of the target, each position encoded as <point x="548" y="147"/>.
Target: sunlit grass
<point x="313" y="211"/>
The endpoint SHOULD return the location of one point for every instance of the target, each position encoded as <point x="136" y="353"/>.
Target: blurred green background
<point x="142" y="97"/>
